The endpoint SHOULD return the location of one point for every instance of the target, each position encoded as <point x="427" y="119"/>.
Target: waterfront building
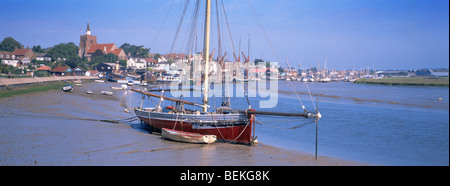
<point x="43" y="71"/>
<point x="61" y="71"/>
<point x="78" y="71"/>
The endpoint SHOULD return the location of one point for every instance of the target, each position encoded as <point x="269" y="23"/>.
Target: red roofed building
<point x="120" y="53"/>
<point x="43" y="71"/>
<point x="24" y="55"/>
<point x="102" y="47"/>
<point x="150" y="61"/>
<point x="107" y="49"/>
<point x="45" y="67"/>
<point x="89" y="46"/>
<point x="61" y="71"/>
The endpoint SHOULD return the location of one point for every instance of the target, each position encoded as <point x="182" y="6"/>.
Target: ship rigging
<point x="229" y="125"/>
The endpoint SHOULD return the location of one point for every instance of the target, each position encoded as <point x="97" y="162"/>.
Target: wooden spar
<point x="166" y="98"/>
<point x="305" y="115"/>
<point x="169" y="90"/>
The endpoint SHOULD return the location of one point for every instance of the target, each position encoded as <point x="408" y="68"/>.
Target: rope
<point x="253" y="117"/>
<point x="295" y="90"/>
<point x="289" y="128"/>
<point x="228" y="26"/>
<point x="179" y="26"/>
<point x="312" y="101"/>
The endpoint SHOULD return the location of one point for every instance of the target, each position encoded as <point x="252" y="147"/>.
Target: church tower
<point x="86" y="41"/>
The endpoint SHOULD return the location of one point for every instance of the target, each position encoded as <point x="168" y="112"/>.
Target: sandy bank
<point x="5" y="82"/>
<point x="57" y="128"/>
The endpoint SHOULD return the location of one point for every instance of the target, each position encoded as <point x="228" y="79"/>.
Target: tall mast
<point x="206" y="49"/>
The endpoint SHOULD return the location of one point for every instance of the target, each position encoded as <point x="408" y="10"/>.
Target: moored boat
<point x="108" y="93"/>
<point x="188" y="137"/>
<point x="67" y="88"/>
<point x="229" y="125"/>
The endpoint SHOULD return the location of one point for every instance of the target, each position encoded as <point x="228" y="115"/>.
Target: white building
<point x="43" y="57"/>
<point x="136" y="63"/>
<point x="8" y="58"/>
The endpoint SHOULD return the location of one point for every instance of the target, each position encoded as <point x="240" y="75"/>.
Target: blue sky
<point x="386" y="34"/>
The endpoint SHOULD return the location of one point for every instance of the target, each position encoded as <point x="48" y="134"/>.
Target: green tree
<point x="97" y="52"/>
<point x="10" y="44"/>
<point x="156" y="56"/>
<point x="37" y="49"/>
<point x="108" y="58"/>
<point x="96" y="60"/>
<point x="60" y="51"/>
<point x="111" y="58"/>
<point x="73" y="61"/>
<point x="136" y="51"/>
<point x="123" y="63"/>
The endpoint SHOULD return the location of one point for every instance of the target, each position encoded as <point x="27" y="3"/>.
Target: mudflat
<point x="59" y="128"/>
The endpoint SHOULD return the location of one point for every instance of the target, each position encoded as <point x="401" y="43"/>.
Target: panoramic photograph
<point x="224" y="83"/>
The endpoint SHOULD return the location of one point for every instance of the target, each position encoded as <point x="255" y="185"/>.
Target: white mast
<point x="206" y="52"/>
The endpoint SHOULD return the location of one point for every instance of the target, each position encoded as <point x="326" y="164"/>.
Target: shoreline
<point x="6" y="83"/>
<point x="422" y="81"/>
<point x="57" y="128"/>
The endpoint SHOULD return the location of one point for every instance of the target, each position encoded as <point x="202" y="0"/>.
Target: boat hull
<point x="67" y="88"/>
<point x="187" y="137"/>
<point x="234" y="128"/>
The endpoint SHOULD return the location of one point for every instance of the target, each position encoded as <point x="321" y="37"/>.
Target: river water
<point x="379" y="125"/>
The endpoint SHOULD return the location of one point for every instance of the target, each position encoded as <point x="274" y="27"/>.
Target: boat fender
<point x="169" y="107"/>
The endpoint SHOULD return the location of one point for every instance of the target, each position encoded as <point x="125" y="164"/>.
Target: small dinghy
<point x="89" y="92"/>
<point x="130" y="83"/>
<point x="67" y="88"/>
<point x="108" y="93"/>
<point x="188" y="137"/>
<point x="123" y="87"/>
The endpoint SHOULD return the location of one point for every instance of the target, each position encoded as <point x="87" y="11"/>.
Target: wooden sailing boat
<point x="229" y="125"/>
<point x="187" y="137"/>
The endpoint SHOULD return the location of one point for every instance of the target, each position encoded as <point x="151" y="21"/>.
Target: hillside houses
<point x="18" y="57"/>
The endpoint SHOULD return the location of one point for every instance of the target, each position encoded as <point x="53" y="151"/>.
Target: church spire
<point x="88" y="31"/>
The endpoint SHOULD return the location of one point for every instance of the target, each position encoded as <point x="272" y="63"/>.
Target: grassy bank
<point x="408" y="81"/>
<point x="31" y="88"/>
